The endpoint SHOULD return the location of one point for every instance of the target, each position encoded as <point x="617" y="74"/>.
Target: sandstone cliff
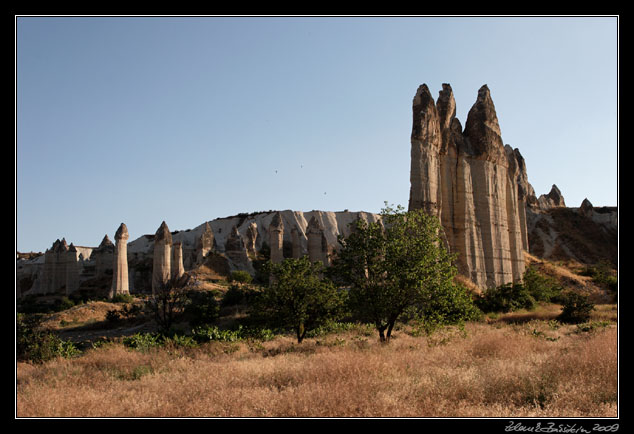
<point x="469" y="180"/>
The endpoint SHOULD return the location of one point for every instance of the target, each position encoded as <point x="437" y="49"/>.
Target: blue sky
<point x="186" y="119"/>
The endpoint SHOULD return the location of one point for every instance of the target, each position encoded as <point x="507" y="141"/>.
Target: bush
<point x="240" y="277"/>
<point x="540" y="287"/>
<point x="38" y="346"/>
<point x="143" y="341"/>
<point x="201" y="307"/>
<point x="213" y="333"/>
<point x="506" y="298"/>
<point x="122" y="298"/>
<point x="113" y="316"/>
<point x="576" y="308"/>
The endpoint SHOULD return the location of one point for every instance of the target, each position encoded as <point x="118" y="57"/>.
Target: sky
<point x="187" y="119"/>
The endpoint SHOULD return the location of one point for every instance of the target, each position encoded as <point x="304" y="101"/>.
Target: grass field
<point x="523" y="364"/>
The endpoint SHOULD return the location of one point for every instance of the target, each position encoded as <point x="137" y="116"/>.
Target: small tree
<point x="576" y="308"/>
<point x="396" y="265"/>
<point x="298" y="296"/>
<point x="167" y="302"/>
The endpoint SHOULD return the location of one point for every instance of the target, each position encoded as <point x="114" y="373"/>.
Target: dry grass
<point x="530" y="369"/>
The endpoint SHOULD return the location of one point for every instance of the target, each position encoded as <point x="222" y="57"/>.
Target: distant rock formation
<point x="463" y="178"/>
<point x="178" y="270"/>
<point x="236" y="251"/>
<point x="276" y="238"/>
<point x="120" y="282"/>
<point x="317" y="243"/>
<point x="205" y="244"/>
<point x="162" y="260"/>
<point x="103" y="256"/>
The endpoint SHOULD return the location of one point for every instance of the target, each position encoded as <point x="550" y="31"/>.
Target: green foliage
<point x="540" y="287"/>
<point x="38" y="346"/>
<point x="396" y="266"/>
<point x="240" y="276"/>
<point x="603" y="275"/>
<point x="143" y="341"/>
<point x="122" y="298"/>
<point x="63" y="304"/>
<point x="166" y="304"/>
<point x="298" y="297"/>
<point x="238" y="294"/>
<point x="576" y="308"/>
<point x="113" y="316"/>
<point x="506" y="298"/>
<point x="201" y="307"/>
<point x="213" y="333"/>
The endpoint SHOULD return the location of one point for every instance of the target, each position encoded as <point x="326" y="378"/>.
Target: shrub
<point x="576" y="308"/>
<point x="143" y="341"/>
<point x="506" y="298"/>
<point x="122" y="298"/>
<point x="113" y="316"/>
<point x="540" y="287"/>
<point x="213" y="333"/>
<point x="240" y="276"/>
<point x="201" y="307"/>
<point x="38" y="346"/>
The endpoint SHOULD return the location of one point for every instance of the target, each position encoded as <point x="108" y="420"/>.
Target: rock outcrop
<point x="120" y="282"/>
<point x="205" y="244"/>
<point x="276" y="238"/>
<point x="317" y="243"/>
<point x="178" y="268"/>
<point x="463" y="178"/>
<point x="162" y="260"/>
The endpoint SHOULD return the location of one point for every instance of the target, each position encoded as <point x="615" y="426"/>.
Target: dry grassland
<point x="512" y="367"/>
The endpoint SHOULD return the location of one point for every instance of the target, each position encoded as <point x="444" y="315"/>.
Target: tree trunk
<point x="381" y="334"/>
<point x="301" y="332"/>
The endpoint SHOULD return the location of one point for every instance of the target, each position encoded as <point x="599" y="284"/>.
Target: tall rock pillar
<point x="425" y="191"/>
<point x="120" y="282"/>
<point x="316" y="238"/>
<point x="161" y="270"/>
<point x="276" y="238"/>
<point x="72" y="270"/>
<point x="177" y="260"/>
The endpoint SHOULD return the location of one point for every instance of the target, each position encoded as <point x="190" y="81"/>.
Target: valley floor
<point x="516" y="365"/>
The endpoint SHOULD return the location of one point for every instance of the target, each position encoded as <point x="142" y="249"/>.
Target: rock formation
<point x="463" y="178"/>
<point x="296" y="245"/>
<point x="72" y="270"/>
<point x="205" y="244"/>
<point x="551" y="200"/>
<point x="276" y="238"/>
<point x="103" y="257"/>
<point x="236" y="251"/>
<point x="177" y="260"/>
<point x="162" y="269"/>
<point x="317" y="243"/>
<point x="120" y="282"/>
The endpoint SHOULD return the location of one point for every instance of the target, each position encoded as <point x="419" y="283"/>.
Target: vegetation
<point x="400" y="265"/>
<point x="36" y="345"/>
<point x="298" y="297"/>
<point x="301" y="341"/>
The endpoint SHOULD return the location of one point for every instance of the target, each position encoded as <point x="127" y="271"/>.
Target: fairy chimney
<point x="120" y="282"/>
<point x="161" y="271"/>
<point x="276" y="238"/>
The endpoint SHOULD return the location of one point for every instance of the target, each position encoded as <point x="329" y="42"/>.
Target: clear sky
<point x="186" y="119"/>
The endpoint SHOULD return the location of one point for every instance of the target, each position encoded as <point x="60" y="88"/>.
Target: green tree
<point x="298" y="296"/>
<point x="398" y="265"/>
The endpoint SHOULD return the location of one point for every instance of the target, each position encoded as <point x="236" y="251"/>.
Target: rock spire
<point x="469" y="180"/>
<point x="120" y="283"/>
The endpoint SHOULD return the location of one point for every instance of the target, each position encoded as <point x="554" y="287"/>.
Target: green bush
<point x="201" y="307"/>
<point x="576" y="308"/>
<point x="240" y="277"/>
<point x="238" y="294"/>
<point x="540" y="287"/>
<point x="213" y="333"/>
<point x="143" y="341"/>
<point x="506" y="298"/>
<point x="122" y="298"/>
<point x="38" y="346"/>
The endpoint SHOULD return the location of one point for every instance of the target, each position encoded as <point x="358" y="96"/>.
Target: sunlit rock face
<point x="469" y="180"/>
